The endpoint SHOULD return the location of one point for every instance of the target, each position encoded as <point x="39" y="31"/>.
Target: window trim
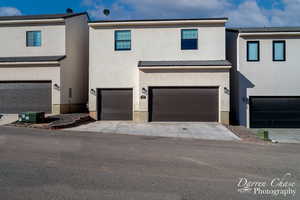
<point x="258" y="51"/>
<point x="129" y="49"/>
<point x="193" y="29"/>
<point x="284" y="50"/>
<point x="27" y="32"/>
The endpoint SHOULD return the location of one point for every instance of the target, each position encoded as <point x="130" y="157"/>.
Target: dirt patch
<point x="58" y="121"/>
<point x="245" y="134"/>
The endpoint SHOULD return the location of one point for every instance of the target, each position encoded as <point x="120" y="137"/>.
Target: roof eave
<point x="33" y="21"/>
<point x="268" y="33"/>
<point x="48" y="63"/>
<point x="184" y="67"/>
<point x="42" y="20"/>
<point x="162" y="22"/>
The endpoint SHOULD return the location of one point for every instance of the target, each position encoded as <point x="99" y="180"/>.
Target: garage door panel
<point x="184" y="104"/>
<point x="274" y="112"/>
<point x="16" y="97"/>
<point x="115" y="104"/>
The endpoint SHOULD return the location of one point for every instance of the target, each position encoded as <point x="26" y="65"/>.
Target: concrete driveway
<point x="208" y="131"/>
<point x="285" y="135"/>
<point x="8" y="118"/>
<point x="282" y="135"/>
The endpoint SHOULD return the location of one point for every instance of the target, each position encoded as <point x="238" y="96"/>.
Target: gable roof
<point x="36" y="17"/>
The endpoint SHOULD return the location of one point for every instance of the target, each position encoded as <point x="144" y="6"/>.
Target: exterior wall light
<point x="93" y="91"/>
<point x="144" y="91"/>
<point x="56" y="86"/>
<point x="226" y="90"/>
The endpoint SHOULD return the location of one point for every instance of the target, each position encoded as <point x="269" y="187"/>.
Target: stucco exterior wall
<point x="184" y="78"/>
<point x="232" y="56"/>
<point x="75" y="66"/>
<point x="13" y="40"/>
<point x="119" y="69"/>
<point x="37" y="73"/>
<point x="266" y="77"/>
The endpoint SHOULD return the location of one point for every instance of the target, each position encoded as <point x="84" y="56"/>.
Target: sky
<point x="241" y="13"/>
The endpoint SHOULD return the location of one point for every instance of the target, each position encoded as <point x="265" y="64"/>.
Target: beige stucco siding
<point x="265" y="77"/>
<point x="267" y="74"/>
<point x="63" y="37"/>
<point x="185" y="78"/>
<point x="13" y="41"/>
<point x="119" y="69"/>
<point x="75" y="66"/>
<point x="34" y="74"/>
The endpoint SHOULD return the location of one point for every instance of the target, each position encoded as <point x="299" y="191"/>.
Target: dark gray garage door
<point x="184" y="104"/>
<point x="114" y="104"/>
<point x="275" y="112"/>
<point x="16" y="97"/>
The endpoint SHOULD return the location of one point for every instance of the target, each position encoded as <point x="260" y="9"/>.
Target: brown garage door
<point x="184" y="104"/>
<point x="114" y="104"/>
<point x="20" y="96"/>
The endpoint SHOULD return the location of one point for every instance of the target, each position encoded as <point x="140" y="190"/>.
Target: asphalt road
<point x="40" y="164"/>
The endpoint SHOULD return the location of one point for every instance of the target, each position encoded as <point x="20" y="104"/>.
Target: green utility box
<point x="32" y="117"/>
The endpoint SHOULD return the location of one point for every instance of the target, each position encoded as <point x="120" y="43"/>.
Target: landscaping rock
<point x="58" y="121"/>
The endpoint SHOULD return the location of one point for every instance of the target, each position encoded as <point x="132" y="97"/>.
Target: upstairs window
<point x="189" y="39"/>
<point x="253" y="51"/>
<point x="122" y="40"/>
<point x="278" y="50"/>
<point x="33" y="38"/>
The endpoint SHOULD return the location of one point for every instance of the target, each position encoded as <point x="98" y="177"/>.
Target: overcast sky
<point x="239" y="12"/>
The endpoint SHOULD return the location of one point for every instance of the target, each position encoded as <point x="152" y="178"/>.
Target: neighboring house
<point x="159" y="70"/>
<point x="265" y="87"/>
<point x="44" y="63"/>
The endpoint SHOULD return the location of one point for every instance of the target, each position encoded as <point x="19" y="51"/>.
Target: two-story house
<point x="265" y="90"/>
<point x="44" y="63"/>
<point x="159" y="70"/>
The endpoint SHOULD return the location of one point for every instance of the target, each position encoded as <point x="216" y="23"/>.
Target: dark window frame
<point x="258" y="51"/>
<point x="284" y="50"/>
<point x="27" y="36"/>
<point x="197" y="47"/>
<point x="116" y="49"/>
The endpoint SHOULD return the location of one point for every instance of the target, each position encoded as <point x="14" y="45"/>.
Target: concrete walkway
<point x="285" y="135"/>
<point x="282" y="135"/>
<point x="208" y="131"/>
